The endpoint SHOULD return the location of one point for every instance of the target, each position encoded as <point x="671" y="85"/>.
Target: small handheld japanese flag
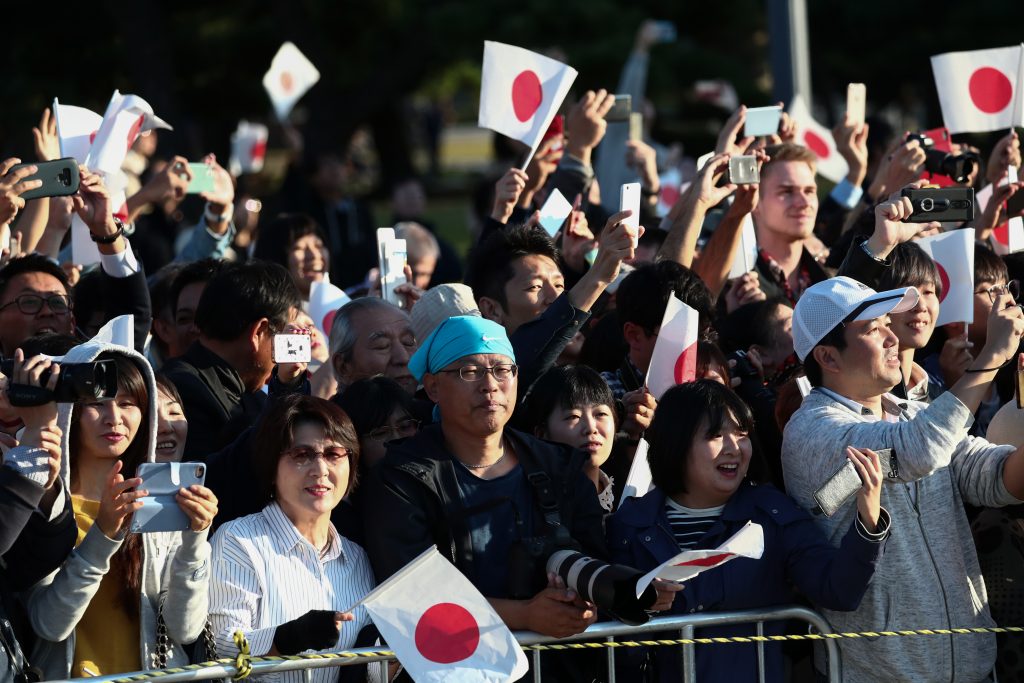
<point x="639" y="481"/>
<point x="520" y="92"/>
<point x="126" y="117"/>
<point x="675" y="353"/>
<point x="953" y="253"/>
<point x="747" y="542"/>
<point x="248" y="148"/>
<point x="441" y="627"/>
<point x="290" y="76"/>
<point x="324" y="301"/>
<point x="746" y="254"/>
<point x="1008" y="237"/>
<point x="76" y="127"/>
<point x="819" y="140"/>
<point x="979" y="90"/>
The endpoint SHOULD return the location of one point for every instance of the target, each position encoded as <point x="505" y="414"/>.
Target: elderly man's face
<point x="384" y="344"/>
<point x="478" y="405"/>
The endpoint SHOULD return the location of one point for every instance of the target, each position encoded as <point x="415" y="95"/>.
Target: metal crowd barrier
<point x="685" y="625"/>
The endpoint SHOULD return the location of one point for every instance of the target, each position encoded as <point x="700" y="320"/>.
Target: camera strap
<point x="545" y="495"/>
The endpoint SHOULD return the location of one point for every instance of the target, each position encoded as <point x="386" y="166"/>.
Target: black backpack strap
<point x="545" y="496"/>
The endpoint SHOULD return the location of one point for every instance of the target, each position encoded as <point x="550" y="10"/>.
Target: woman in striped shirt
<point x="283" y="576"/>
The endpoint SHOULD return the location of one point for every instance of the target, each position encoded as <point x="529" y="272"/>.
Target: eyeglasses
<point x="401" y="430"/>
<point x="30" y="304"/>
<point x="503" y="372"/>
<point x="304" y="456"/>
<point x="1013" y="287"/>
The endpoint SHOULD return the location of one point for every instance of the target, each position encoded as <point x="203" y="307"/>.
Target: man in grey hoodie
<point x="929" y="576"/>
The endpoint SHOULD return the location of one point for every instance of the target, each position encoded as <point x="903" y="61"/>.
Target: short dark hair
<point x="751" y="324"/>
<point x="243" y="293"/>
<point x="682" y="412"/>
<point x="32" y="263"/>
<point x="370" y="402"/>
<point x="165" y="384"/>
<point x="202" y="270"/>
<point x="643" y="294"/>
<point x="565" y="386"/>
<point x="837" y="338"/>
<point x="274" y="433"/>
<point x="988" y="267"/>
<point x="277" y="236"/>
<point x="490" y="265"/>
<point x="161" y="288"/>
<point x="911" y="267"/>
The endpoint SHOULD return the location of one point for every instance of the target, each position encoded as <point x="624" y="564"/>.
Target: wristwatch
<point x="110" y="239"/>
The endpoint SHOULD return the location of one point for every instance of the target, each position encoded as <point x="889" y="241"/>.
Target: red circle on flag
<point x="133" y="132"/>
<point x="816" y="144"/>
<point x="447" y="633"/>
<point x="944" y="281"/>
<point x="669" y="194"/>
<point x="527" y="94"/>
<point x="258" y="150"/>
<point x="287" y="82"/>
<point x="679" y="373"/>
<point x="328" y="321"/>
<point x="990" y="89"/>
<point x="1002" y="234"/>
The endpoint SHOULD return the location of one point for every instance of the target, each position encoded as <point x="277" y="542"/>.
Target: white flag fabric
<point x="324" y="301"/>
<point x="76" y="128"/>
<point x="126" y="117"/>
<point x="747" y="542"/>
<point x="119" y="330"/>
<point x="639" y="481"/>
<point x="953" y="253"/>
<point x="248" y="148"/>
<point x="290" y="76"/>
<point x="520" y="92"/>
<point x="979" y="90"/>
<point x="746" y="253"/>
<point x="84" y="251"/>
<point x="554" y="212"/>
<point x="1008" y="237"/>
<point x="441" y="627"/>
<point x="674" y="360"/>
<point x="819" y="140"/>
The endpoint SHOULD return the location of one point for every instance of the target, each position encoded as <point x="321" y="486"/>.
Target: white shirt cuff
<point x="121" y="264"/>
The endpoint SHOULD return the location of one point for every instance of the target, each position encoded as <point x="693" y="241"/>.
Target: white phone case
<point x="292" y="348"/>
<point x="856" y="102"/>
<point x="762" y="121"/>
<point x="160" y="510"/>
<point x="393" y="270"/>
<point x="629" y="198"/>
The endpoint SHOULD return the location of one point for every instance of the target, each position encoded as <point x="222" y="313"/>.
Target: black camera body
<point x="939" y="162"/>
<point x="75" y="382"/>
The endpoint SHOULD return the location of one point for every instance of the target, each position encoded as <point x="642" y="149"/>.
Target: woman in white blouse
<point x="284" y="576"/>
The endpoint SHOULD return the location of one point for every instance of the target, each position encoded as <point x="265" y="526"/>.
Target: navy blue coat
<point x="797" y="557"/>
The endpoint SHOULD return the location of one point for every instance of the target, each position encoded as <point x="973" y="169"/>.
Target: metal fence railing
<point x="684" y="625"/>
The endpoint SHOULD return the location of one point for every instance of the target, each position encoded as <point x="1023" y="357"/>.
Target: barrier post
<point x="760" y="652"/>
<point x="610" y="655"/>
<point x="689" y="655"/>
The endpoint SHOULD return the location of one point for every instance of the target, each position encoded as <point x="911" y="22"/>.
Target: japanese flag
<point x="675" y="353"/>
<point x="747" y="542"/>
<point x="979" y="91"/>
<point x="290" y="76"/>
<point x="248" y="148"/>
<point x="746" y="255"/>
<point x="126" y="117"/>
<point x="520" y="92"/>
<point x="324" y="301"/>
<point x="76" y="127"/>
<point x="441" y="628"/>
<point x="953" y="253"/>
<point x="819" y="140"/>
<point x="1008" y="237"/>
<point x="639" y="481"/>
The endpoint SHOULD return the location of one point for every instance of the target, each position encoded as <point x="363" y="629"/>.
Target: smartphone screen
<point x="292" y="348"/>
<point x="202" y="178"/>
<point x="762" y="121"/>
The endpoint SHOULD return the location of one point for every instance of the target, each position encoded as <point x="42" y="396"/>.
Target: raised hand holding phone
<point x="629" y="200"/>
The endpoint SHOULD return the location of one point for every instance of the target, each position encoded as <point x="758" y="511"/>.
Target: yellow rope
<point x="243" y="662"/>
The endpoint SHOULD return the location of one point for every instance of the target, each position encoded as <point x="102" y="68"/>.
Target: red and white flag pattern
<point x="520" y="92"/>
<point x="324" y="301"/>
<point x="76" y="128"/>
<point x="441" y="627"/>
<point x="979" y="90"/>
<point x="639" y="481"/>
<point x="747" y="542"/>
<point x="819" y="140"/>
<point x="953" y="253"/>
<point x="248" y="148"/>
<point x="674" y="360"/>
<point x="290" y="76"/>
<point x="746" y="252"/>
<point x="1007" y="237"/>
<point x="127" y="116"/>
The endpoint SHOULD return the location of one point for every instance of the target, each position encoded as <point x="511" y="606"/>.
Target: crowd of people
<point x="497" y="411"/>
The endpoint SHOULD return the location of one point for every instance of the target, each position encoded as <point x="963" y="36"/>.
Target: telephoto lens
<point x="612" y="587"/>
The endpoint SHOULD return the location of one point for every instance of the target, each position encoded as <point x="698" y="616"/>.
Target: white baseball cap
<point x="839" y="300"/>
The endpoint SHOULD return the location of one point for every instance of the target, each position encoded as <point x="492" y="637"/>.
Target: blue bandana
<point x="456" y="338"/>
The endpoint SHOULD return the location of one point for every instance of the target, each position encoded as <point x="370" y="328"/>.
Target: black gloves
<point x="314" y="630"/>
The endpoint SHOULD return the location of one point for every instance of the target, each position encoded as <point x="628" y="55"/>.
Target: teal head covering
<point x="456" y="338"/>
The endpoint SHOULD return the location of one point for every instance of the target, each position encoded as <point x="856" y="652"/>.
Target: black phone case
<point x="946" y="204"/>
<point x="60" y="178"/>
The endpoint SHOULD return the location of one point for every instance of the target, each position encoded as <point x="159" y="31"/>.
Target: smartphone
<point x="60" y="178"/>
<point x="554" y="212"/>
<point x="636" y="126"/>
<point x="1020" y="389"/>
<point x="856" y="102"/>
<point x="202" y="178"/>
<point x="762" y="121"/>
<point x="946" y="204"/>
<point x="743" y="170"/>
<point x="621" y="110"/>
<point x="292" y="348"/>
<point x="160" y="510"/>
<point x="1015" y="204"/>
<point x="844" y="484"/>
<point x="393" y="270"/>
<point x="629" y="198"/>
